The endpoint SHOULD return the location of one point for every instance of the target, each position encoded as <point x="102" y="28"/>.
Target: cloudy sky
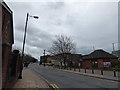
<point x="87" y="23"/>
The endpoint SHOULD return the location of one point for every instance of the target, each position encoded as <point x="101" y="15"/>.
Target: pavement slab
<point x="30" y="80"/>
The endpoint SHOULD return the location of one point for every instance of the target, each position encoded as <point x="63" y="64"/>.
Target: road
<point x="71" y="80"/>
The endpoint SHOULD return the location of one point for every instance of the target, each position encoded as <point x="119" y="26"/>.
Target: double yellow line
<point x="54" y="86"/>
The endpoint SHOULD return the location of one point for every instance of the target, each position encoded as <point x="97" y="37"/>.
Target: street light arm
<point x="36" y="17"/>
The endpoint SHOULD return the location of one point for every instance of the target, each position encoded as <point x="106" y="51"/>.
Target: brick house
<point x="99" y="59"/>
<point x="10" y="62"/>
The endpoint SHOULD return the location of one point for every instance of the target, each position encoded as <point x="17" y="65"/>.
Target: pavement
<point x="117" y="78"/>
<point x="30" y="80"/>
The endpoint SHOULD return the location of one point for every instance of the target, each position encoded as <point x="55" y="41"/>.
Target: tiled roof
<point x="99" y="54"/>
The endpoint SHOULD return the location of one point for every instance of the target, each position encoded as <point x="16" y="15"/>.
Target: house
<point x="49" y="60"/>
<point x="77" y="60"/>
<point x="10" y="64"/>
<point x="99" y="59"/>
<point x="43" y="59"/>
<point x="70" y="59"/>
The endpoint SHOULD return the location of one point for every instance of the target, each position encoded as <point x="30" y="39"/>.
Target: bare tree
<point x="62" y="46"/>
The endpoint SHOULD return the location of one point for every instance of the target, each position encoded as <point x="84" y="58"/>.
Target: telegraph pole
<point x="44" y="57"/>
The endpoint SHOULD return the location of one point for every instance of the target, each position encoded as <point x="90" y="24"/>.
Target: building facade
<point x="65" y="59"/>
<point x="10" y="62"/>
<point x="99" y="59"/>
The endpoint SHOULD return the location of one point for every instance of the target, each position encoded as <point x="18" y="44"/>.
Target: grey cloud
<point x="89" y="24"/>
<point x="18" y="35"/>
<point x="84" y="50"/>
<point x="40" y="39"/>
<point x="55" y="5"/>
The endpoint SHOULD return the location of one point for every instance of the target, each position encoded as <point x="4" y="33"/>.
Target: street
<point x="70" y="80"/>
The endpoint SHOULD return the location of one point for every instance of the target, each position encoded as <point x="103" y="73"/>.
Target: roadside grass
<point x="113" y="68"/>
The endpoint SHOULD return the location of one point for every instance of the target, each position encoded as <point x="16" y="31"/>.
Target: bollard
<point x="114" y="73"/>
<point x="92" y="71"/>
<point x="67" y="68"/>
<point x="85" y="70"/>
<point x="74" y="68"/>
<point x="101" y="72"/>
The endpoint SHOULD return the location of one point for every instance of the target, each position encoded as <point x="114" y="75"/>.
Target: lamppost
<point x="21" y="66"/>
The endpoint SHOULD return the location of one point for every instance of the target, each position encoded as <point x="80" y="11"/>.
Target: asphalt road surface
<point x="71" y="80"/>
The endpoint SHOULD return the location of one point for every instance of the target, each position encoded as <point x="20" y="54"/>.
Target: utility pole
<point x="113" y="47"/>
<point x="44" y="57"/>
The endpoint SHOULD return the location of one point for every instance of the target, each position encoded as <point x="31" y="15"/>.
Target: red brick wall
<point x="100" y="63"/>
<point x="87" y="64"/>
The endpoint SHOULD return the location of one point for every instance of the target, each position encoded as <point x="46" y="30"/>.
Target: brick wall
<point x="100" y="63"/>
<point x="87" y="64"/>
